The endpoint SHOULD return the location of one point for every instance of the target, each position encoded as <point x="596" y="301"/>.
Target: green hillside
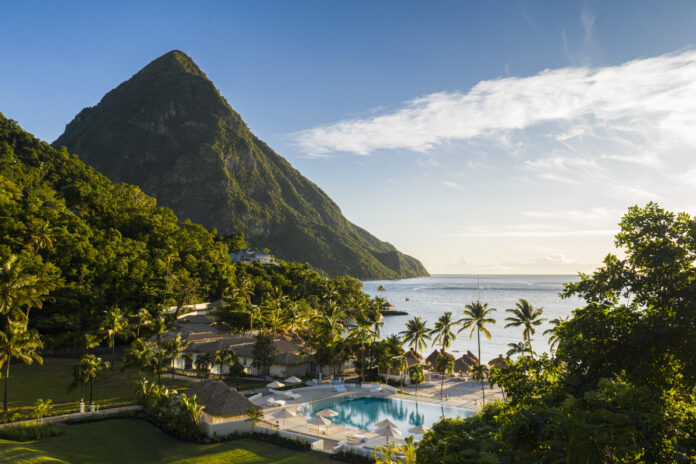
<point x="106" y="245"/>
<point x="169" y="131"/>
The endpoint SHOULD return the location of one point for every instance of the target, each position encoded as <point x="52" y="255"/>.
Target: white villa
<point x="248" y="256"/>
<point x="204" y="337"/>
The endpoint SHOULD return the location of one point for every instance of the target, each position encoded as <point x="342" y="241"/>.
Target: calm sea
<point x="430" y="297"/>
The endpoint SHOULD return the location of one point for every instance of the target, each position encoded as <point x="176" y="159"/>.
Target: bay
<point x="430" y="297"/>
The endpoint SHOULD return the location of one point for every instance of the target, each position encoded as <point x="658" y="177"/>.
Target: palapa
<point x="419" y="429"/>
<point x="497" y="362"/>
<point x="220" y="400"/>
<point x="384" y="423"/>
<point x="327" y="413"/>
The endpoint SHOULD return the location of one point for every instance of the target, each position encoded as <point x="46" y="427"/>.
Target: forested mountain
<point x="169" y="131"/>
<point x="101" y="245"/>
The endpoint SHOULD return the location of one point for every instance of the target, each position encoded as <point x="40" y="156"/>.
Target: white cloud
<point x="599" y="214"/>
<point x="649" y="102"/>
<point x="453" y="185"/>
<point x="543" y="233"/>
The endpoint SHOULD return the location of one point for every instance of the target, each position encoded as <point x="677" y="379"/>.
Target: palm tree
<point x="416" y="334"/>
<point x="225" y="358"/>
<point x="361" y="336"/>
<point x="444" y="365"/>
<point x="143" y="319"/>
<point x="88" y="369"/>
<point x="524" y="314"/>
<point x="477" y="316"/>
<point x="444" y="330"/>
<point x="203" y="363"/>
<point x="479" y="374"/>
<point x="555" y="323"/>
<point x="41" y="238"/>
<point x="416" y="375"/>
<point x="16" y="341"/>
<point x="374" y="317"/>
<point x="519" y="348"/>
<point x="115" y="323"/>
<point x="254" y="415"/>
<point x="175" y="347"/>
<point x="18" y="287"/>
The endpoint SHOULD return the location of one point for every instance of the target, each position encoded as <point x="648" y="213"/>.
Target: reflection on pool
<point x="364" y="412"/>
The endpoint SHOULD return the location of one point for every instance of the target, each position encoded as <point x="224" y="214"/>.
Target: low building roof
<point x="205" y="337"/>
<point x="218" y="399"/>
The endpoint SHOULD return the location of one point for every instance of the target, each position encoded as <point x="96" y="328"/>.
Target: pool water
<point x="364" y="412"/>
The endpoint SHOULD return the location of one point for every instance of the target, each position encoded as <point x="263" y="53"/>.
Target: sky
<point x="479" y="137"/>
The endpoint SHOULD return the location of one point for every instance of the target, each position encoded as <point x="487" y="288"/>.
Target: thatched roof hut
<point x="413" y="358"/>
<point x="463" y="365"/>
<point x="220" y="402"/>
<point x="474" y="359"/>
<point x="432" y="359"/>
<point x="498" y="362"/>
<point x="416" y="355"/>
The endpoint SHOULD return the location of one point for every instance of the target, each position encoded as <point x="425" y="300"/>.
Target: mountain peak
<point x="174" y="61"/>
<point x="169" y="131"/>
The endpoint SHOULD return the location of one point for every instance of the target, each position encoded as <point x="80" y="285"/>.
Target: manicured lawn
<point x="134" y="441"/>
<point x="115" y="388"/>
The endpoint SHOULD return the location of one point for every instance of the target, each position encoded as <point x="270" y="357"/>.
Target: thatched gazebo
<point x="498" y="362"/>
<point x="432" y="359"/>
<point x="474" y="359"/>
<point x="463" y="365"/>
<point x="220" y="402"/>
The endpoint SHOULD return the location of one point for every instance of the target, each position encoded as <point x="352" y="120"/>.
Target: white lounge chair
<point x="291" y="395"/>
<point x="274" y="402"/>
<point x="375" y="389"/>
<point x="339" y="388"/>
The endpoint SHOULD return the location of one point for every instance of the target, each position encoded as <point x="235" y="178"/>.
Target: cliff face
<point x="169" y="131"/>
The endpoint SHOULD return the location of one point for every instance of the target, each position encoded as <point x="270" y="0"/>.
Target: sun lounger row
<point x="272" y="401"/>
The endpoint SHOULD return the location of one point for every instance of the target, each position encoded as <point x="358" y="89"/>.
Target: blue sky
<point x="480" y="137"/>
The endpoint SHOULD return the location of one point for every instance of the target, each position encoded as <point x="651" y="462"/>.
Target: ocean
<point x="430" y="297"/>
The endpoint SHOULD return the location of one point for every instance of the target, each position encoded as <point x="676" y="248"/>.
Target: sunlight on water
<point x="430" y="297"/>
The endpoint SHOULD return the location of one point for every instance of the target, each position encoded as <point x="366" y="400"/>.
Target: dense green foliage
<point x="169" y="131"/>
<point x="28" y="431"/>
<point x="172" y="411"/>
<point x="622" y="385"/>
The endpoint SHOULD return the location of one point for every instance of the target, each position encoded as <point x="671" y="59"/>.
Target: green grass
<point x="134" y="441"/>
<point x="51" y="380"/>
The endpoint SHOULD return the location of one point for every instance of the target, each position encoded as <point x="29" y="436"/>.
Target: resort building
<point x="204" y="337"/>
<point x="220" y="402"/>
<point x="248" y="256"/>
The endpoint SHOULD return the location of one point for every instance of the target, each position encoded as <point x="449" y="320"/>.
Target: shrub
<point x="29" y="431"/>
<point x="286" y="442"/>
<point x="176" y="413"/>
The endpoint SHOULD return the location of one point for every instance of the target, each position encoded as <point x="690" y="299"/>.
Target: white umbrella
<point x="318" y="420"/>
<point x="293" y="380"/>
<point x="384" y="423"/>
<point x="327" y="413"/>
<point x="275" y="384"/>
<point x="284" y="414"/>
<point x="388" y="432"/>
<point x="419" y="429"/>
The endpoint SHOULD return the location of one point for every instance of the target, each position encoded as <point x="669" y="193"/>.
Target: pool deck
<point x="457" y="393"/>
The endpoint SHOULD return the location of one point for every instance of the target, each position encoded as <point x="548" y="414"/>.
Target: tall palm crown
<point x="553" y="339"/>
<point x="524" y="314"/>
<point x="477" y="315"/>
<point x="19" y="343"/>
<point x="444" y="330"/>
<point x="416" y="333"/>
<point x="115" y="323"/>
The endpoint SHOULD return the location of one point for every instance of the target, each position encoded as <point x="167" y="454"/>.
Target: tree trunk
<point x="82" y="398"/>
<point x="113" y="352"/>
<point x="7" y="376"/>
<point x="478" y="336"/>
<point x="91" y="391"/>
<point x="442" y="383"/>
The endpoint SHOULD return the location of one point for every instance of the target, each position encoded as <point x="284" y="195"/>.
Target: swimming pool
<point x="364" y="412"/>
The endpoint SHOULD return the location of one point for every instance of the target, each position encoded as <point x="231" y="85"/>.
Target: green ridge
<point x="169" y="131"/>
